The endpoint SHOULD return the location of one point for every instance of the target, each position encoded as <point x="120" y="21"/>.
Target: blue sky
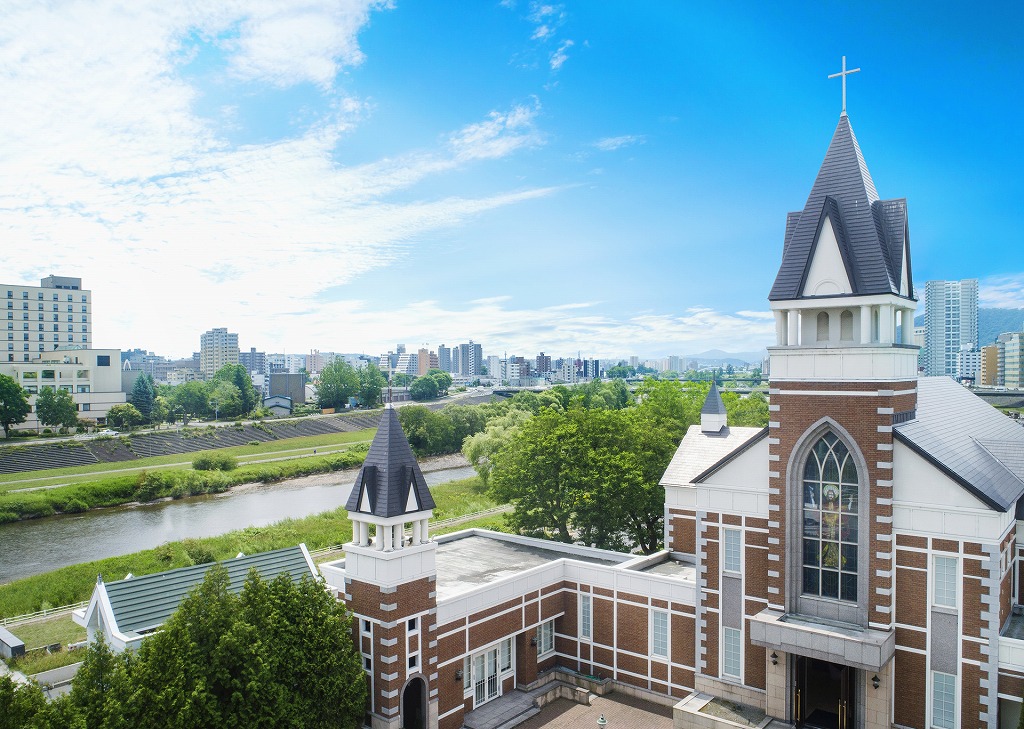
<point x="610" y="178"/>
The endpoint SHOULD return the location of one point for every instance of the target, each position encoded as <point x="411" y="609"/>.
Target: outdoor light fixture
<point x="601" y="721"/>
<point x="458" y="674"/>
<point x="533" y="641"/>
<point x="775" y="658"/>
<point x="875" y="680"/>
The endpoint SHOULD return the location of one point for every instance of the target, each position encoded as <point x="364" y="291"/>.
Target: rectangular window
<point x="86" y="407"/>
<point x="732" y="540"/>
<point x="732" y="651"/>
<point x="367" y="664"/>
<point x="48" y="374"/>
<point x="506" y="654"/>
<point x="944" y="581"/>
<point x="467" y="673"/>
<point x="102" y="360"/>
<point x="545" y="637"/>
<point x="943" y="700"/>
<point x="659" y="634"/>
<point x="585" y="611"/>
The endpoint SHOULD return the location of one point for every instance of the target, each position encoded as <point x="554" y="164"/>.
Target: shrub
<point x="253" y="443"/>
<point x="214" y="462"/>
<point x="75" y="506"/>
<point x="198" y="552"/>
<point x="6" y="517"/>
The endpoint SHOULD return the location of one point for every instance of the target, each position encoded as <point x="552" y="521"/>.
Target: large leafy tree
<point x="338" y="382"/>
<point x="14" y="407"/>
<point x="124" y="416"/>
<point x="279" y="654"/>
<point x="56" y="407"/>
<point x="423" y="388"/>
<point x="224" y="399"/>
<point x="191" y="397"/>
<point x="237" y="375"/>
<point x="371" y="384"/>
<point x="588" y="475"/>
<point x="442" y="378"/>
<point x="143" y="395"/>
<point x="481" y="447"/>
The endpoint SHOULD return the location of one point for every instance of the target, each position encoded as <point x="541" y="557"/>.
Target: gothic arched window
<point x="830" y="530"/>
<point x="822" y="326"/>
<point x="846" y="326"/>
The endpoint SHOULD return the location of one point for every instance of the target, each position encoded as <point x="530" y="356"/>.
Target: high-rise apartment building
<point x="444" y="358"/>
<point x="470" y="359"/>
<point x="253" y="361"/>
<point x="989" y="365"/>
<point x="543" y="363"/>
<point x="426" y="361"/>
<point x="951" y="321"/>
<point x="969" y="365"/>
<point x="217" y="347"/>
<point x="1011" y="360"/>
<point x="57" y="313"/>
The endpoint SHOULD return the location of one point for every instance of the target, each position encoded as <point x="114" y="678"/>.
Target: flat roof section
<point x="673" y="568"/>
<point x="467" y="563"/>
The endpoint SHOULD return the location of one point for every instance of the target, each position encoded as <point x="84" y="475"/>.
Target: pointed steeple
<point x="713" y="416"/>
<point x="390" y="483"/>
<point x="870" y="234"/>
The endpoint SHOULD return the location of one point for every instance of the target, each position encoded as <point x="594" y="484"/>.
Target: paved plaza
<point x="619" y="710"/>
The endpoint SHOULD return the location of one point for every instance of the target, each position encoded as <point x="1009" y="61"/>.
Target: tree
<point x="371" y="384"/>
<point x="337" y="383"/>
<point x="161" y="409"/>
<point x="191" y="397"/>
<point x="423" y="388"/>
<point x="480" y="448"/>
<point x="228" y="399"/>
<point x="672" y="405"/>
<point x="56" y="407"/>
<point x="124" y="416"/>
<point x="143" y="395"/>
<point x="92" y="686"/>
<point x="442" y="378"/>
<point x="401" y="379"/>
<point x="279" y="654"/>
<point x="238" y="376"/>
<point x="14" y="407"/>
<point x="750" y="411"/>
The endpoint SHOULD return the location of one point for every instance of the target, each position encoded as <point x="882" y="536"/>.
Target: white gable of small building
<point x="928" y="502"/>
<point x="827" y="273"/>
<point x="905" y="274"/>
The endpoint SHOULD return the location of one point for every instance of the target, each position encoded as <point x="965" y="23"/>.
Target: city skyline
<point x="540" y="176"/>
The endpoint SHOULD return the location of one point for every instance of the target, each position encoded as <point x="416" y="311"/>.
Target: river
<point x="40" y="545"/>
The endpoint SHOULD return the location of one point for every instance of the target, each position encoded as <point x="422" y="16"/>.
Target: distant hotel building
<point x="217" y="347"/>
<point x="951" y="321"/>
<point x="57" y="313"/>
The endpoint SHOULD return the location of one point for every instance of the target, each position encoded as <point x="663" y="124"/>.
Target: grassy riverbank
<point x="175" y="483"/>
<point x="75" y="583"/>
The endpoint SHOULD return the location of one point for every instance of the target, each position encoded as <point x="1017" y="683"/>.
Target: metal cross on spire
<point x="843" y="74"/>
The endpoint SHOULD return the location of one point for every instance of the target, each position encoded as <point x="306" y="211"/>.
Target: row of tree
<point x="339" y="382"/>
<point x="279" y="654"/>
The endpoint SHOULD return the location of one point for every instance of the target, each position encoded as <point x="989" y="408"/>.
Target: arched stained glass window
<point x="831" y="502"/>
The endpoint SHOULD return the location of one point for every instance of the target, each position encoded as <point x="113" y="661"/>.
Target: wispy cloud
<point x="560" y="56"/>
<point x="1003" y="292"/>
<point x="110" y="170"/>
<point x="610" y="144"/>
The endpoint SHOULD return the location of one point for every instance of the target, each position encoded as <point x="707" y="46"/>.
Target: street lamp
<point x="216" y="413"/>
<point x="179" y="409"/>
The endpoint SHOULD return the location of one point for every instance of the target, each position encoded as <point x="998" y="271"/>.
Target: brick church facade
<point x="850" y="566"/>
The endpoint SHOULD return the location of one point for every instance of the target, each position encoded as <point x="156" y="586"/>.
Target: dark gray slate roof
<point x="144" y="603"/>
<point x="969" y="440"/>
<point x="871" y="232"/>
<point x="713" y="404"/>
<point x="389" y="473"/>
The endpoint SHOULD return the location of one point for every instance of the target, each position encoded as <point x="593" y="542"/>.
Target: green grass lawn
<point x="75" y="583"/>
<point x="301" y="446"/>
<point x="61" y="629"/>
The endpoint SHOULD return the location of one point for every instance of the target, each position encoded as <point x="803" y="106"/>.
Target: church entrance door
<point x="414" y="705"/>
<point x="824" y="695"/>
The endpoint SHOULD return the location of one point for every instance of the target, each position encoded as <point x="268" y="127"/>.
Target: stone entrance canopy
<point x="850" y="645"/>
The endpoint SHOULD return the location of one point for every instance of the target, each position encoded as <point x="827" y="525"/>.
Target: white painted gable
<point x="748" y="470"/>
<point x="413" y="503"/>
<point x="827" y="274"/>
<point x="364" y="505"/>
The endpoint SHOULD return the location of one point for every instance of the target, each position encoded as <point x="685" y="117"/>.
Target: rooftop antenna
<point x="843" y="74"/>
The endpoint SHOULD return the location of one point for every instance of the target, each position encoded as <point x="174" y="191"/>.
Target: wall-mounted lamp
<point x="775" y="658"/>
<point x="875" y="680"/>
<point x="458" y="675"/>
<point x="533" y="641"/>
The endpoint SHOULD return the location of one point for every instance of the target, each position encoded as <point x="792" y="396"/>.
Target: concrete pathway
<point x="619" y="710"/>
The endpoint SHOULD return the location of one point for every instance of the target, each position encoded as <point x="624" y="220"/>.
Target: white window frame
<point x="659" y="634"/>
<point x="944" y="594"/>
<point x="732" y="551"/>
<point x="586" y="616"/>
<point x="729" y="634"/>
<point x="937" y="678"/>
<point x="545" y="638"/>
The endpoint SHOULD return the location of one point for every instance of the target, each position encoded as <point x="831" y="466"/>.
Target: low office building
<point x="92" y="376"/>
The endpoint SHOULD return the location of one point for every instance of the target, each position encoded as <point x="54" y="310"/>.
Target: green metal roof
<point x="144" y="603"/>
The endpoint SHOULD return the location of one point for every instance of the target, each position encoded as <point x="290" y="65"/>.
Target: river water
<point x="40" y="545"/>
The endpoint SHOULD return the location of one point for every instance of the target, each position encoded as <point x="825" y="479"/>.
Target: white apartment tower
<point x="951" y="321"/>
<point x="217" y="347"/>
<point x="56" y="313"/>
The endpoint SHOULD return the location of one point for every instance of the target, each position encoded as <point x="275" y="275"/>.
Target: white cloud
<point x="112" y="176"/>
<point x="610" y="144"/>
<point x="1003" y="292"/>
<point x="559" y="57"/>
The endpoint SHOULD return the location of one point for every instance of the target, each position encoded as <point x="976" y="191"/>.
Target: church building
<point x="851" y="566"/>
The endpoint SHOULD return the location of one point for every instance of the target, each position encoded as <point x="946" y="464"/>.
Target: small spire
<point x="713" y="417"/>
<point x="99" y="578"/>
